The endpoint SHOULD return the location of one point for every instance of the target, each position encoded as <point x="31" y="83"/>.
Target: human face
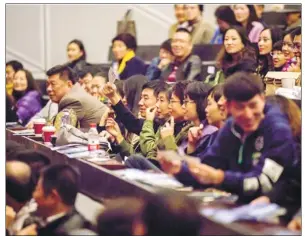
<point x="248" y="115"/>
<point x="20" y="83"/>
<point x="148" y="99"/>
<point x="97" y="85"/>
<point x="223" y="25"/>
<point x="162" y="106"/>
<point x="57" y="88"/>
<point x="181" y="45"/>
<point x="190" y="109"/>
<point x="265" y="42"/>
<point x="241" y="12"/>
<point x="214" y="115"/>
<point x="119" y="49"/>
<point x="297" y="45"/>
<point x="292" y="17"/>
<point x="278" y="58"/>
<point x="9" y="73"/>
<point x="176" y="109"/>
<point x="232" y="42"/>
<point x="192" y="12"/>
<point x="222" y="105"/>
<point x="259" y="10"/>
<point x="288" y="47"/>
<point x="74" y="52"/>
<point x="45" y="202"/>
<point x="164" y="54"/>
<point x="180" y="13"/>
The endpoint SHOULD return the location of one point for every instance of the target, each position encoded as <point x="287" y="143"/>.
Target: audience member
<point x="278" y="57"/>
<point x="160" y="63"/>
<point x="55" y="195"/>
<point x="266" y="39"/>
<point x="247" y="18"/>
<point x="127" y="63"/>
<point x="11" y="68"/>
<point x="297" y="47"/>
<point x="132" y="90"/>
<point x="236" y="55"/>
<point x="181" y="19"/>
<point x="186" y="65"/>
<point x="11" y="147"/>
<point x="97" y="84"/>
<point x="201" y="31"/>
<point x="288" y="47"/>
<point x="259" y="10"/>
<point x="225" y="19"/>
<point x="63" y="89"/>
<point x="27" y="98"/>
<point x="243" y="168"/>
<point x="85" y="76"/>
<point x="77" y="54"/>
<point x="293" y="16"/>
<point x="10" y="114"/>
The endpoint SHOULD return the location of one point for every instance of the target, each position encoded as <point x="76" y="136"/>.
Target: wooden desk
<point x="99" y="183"/>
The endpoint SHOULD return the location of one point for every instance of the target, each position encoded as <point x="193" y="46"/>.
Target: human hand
<point x="10" y="215"/>
<point x="295" y="67"/>
<point x="206" y="174"/>
<point x="163" y="63"/>
<point x="194" y="134"/>
<point x="29" y="230"/>
<point x="104" y="117"/>
<point x="260" y="200"/>
<point x="151" y="113"/>
<point x="295" y="224"/>
<point x="168" y="129"/>
<point x="107" y="135"/>
<point x="110" y="91"/>
<point x="170" y="161"/>
<point x="113" y="128"/>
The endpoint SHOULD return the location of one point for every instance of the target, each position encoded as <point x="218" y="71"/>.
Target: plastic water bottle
<point x="93" y="141"/>
<point x="65" y="118"/>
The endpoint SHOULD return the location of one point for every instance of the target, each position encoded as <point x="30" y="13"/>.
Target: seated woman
<point x="127" y="63"/>
<point x="159" y="63"/>
<point x="278" y="57"/>
<point x="266" y="39"/>
<point x="76" y="54"/>
<point x="237" y="55"/>
<point x="27" y="98"/>
<point x="288" y="49"/>
<point x="246" y="17"/>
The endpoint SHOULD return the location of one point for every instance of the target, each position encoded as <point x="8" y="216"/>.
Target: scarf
<point x="129" y="55"/>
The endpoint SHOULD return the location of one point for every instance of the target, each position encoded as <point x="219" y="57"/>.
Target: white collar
<point x="55" y="217"/>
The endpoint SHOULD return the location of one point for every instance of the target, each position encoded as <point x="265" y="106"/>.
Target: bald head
<point x="18" y="171"/>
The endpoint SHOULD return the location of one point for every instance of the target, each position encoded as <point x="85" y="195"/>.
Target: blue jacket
<point x="254" y="165"/>
<point x="134" y="66"/>
<point x="153" y="72"/>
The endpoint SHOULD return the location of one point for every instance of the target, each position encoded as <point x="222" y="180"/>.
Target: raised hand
<point x="206" y="174"/>
<point x="168" y="129"/>
<point x="110" y="91"/>
<point x="170" y="161"/>
<point x="113" y="128"/>
<point x="151" y="113"/>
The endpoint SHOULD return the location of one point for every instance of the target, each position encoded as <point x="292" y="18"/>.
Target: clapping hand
<point x="168" y="129"/>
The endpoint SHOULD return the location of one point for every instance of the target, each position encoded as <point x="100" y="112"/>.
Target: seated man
<point x="251" y="151"/>
<point x="55" y="195"/>
<point x="64" y="90"/>
<point x="186" y="66"/>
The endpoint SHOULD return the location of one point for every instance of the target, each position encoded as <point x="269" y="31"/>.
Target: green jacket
<point x="150" y="141"/>
<point x="129" y="145"/>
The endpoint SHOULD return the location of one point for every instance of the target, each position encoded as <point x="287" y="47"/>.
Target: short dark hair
<point x="19" y="189"/>
<point x="156" y="85"/>
<point x="225" y="13"/>
<point x="216" y="92"/>
<point x="171" y="214"/>
<point x="37" y="160"/>
<point x="277" y="46"/>
<point x="16" y="65"/>
<point x="84" y="71"/>
<point x="297" y="31"/>
<point x="201" y="7"/>
<point x="64" y="71"/>
<point x="183" y="29"/>
<point x="128" y="39"/>
<point x="81" y="46"/>
<point x="64" y="178"/>
<point x="101" y="74"/>
<point x="198" y="91"/>
<point x="179" y="88"/>
<point x="242" y="86"/>
<point x="167" y="46"/>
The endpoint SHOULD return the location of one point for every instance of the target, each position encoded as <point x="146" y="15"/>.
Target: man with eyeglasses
<point x="297" y="46"/>
<point x="186" y="66"/>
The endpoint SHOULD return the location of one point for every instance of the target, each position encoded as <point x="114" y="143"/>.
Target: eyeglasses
<point x="187" y="101"/>
<point x="276" y="53"/>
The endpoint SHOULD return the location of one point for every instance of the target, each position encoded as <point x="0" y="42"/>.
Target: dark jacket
<point x="131" y="123"/>
<point x="134" y="66"/>
<point x="254" y="165"/>
<point x="189" y="69"/>
<point x="62" y="226"/>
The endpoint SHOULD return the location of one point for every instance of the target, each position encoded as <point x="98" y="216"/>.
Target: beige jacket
<point x="202" y="32"/>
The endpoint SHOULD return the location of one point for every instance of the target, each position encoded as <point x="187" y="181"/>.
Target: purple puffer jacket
<point x="27" y="106"/>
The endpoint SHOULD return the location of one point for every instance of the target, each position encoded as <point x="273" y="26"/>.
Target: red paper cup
<point x="47" y="132"/>
<point x="38" y="125"/>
